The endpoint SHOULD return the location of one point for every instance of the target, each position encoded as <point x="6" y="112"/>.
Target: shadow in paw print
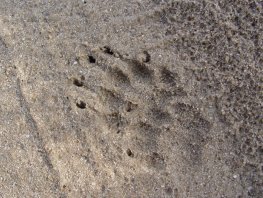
<point x="159" y="117"/>
<point x="130" y="153"/>
<point x="80" y="104"/>
<point x="115" y="121"/>
<point x="91" y="59"/>
<point x="111" y="99"/>
<point x="144" y="57"/>
<point x="156" y="160"/>
<point x="140" y="70"/>
<point x="120" y="78"/>
<point x="129" y="107"/>
<point x="138" y="67"/>
<point x="146" y="137"/>
<point x="168" y="77"/>
<point x="107" y="50"/>
<point x="163" y="96"/>
<point x="197" y="130"/>
<point x="147" y="57"/>
<point x="78" y="82"/>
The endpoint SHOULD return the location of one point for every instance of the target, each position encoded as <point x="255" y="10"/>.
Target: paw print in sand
<point x="133" y="105"/>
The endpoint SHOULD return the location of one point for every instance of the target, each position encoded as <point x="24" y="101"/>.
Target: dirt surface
<point x="131" y="98"/>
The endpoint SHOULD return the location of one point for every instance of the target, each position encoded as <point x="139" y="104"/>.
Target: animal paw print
<point x="132" y="100"/>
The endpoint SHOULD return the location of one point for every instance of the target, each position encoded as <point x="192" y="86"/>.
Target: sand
<point x="131" y="98"/>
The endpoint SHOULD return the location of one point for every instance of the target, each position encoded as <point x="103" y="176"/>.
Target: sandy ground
<point x="131" y="98"/>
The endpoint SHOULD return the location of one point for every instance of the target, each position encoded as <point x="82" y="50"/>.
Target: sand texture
<point x="131" y="98"/>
